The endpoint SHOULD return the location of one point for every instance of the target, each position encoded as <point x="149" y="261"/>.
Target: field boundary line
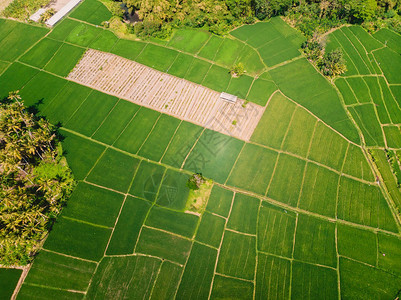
<point x="235" y="163"/>
<point x="168" y="232"/>
<point x="150" y="132"/>
<point x="192" y="148"/>
<point x="69" y="256"/>
<point x="55" y="288"/>
<point x="126" y="126"/>
<point x="384" y="102"/>
<point x="79" y="106"/>
<point x="171" y="140"/>
<point x="272" y="176"/>
<point x="204" y="44"/>
<point x="352" y="90"/>
<point x="233" y="277"/>
<point x="339" y="180"/>
<point x="108" y="114"/>
<point x="242" y="233"/>
<point x="256" y="249"/>
<point x="96" y="162"/>
<point x="21" y="280"/>
<point x="85" y="222"/>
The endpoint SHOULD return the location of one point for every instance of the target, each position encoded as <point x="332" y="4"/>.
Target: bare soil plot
<point x="166" y="93"/>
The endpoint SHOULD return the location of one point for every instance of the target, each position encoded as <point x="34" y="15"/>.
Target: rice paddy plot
<point x="167" y="281"/>
<point x="210" y="229"/>
<point x="92" y="11"/>
<point x="95" y="205"/>
<point x="210" y="49"/>
<point x="237" y="255"/>
<point x="277" y="51"/>
<point x="272" y="277"/>
<point x="251" y="60"/>
<point x="393" y="136"/>
<point x="217" y="78"/>
<point x="105" y="41"/>
<point x="180" y="223"/>
<point x="396" y="90"/>
<point x="164" y="245"/>
<point x="197" y="71"/>
<point x="220" y="201"/>
<point x="63" y="29"/>
<point x="287" y="180"/>
<point x="392" y="106"/>
<point x="346" y="91"/>
<point x="261" y="91"/>
<point x="173" y="192"/>
<point x="377" y="97"/>
<point x="239" y="86"/>
<point x="227" y="53"/>
<point x="357" y="165"/>
<point x="272" y="127"/>
<point x="390" y="62"/>
<point x="389" y="253"/>
<point x="214" y="155"/>
<point x="319" y="191"/>
<point x="181" y="65"/>
<point x="81" y="153"/>
<point x="28" y="291"/>
<point x="157" y="57"/>
<point x="15" y="77"/>
<point x="129" y="277"/>
<point x="129" y="224"/>
<point x="389" y="38"/>
<point x="313" y="282"/>
<point x="357" y="244"/>
<point x="6" y="27"/>
<point x="147" y="180"/>
<point x="243" y="217"/>
<point x="364" y="204"/>
<point x="41" y="53"/>
<point x="8" y="281"/>
<point x="253" y="169"/>
<point x="3" y="66"/>
<point x="198" y="273"/>
<point x="78" y="239"/>
<point x="275" y="230"/>
<point x="83" y="34"/>
<point x="188" y="40"/>
<point x="360" y="89"/>
<point x="64" y="60"/>
<point x="119" y="167"/>
<point x="231" y="288"/>
<point x="315" y="241"/>
<point x="128" y="49"/>
<point x="369" y="42"/>
<point x="60" y="272"/>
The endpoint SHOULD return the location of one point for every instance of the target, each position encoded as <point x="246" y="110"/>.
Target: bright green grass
<point x="147" y="180"/>
<point x="129" y="277"/>
<point x="173" y="192"/>
<point x="390" y="38"/>
<point x="273" y="125"/>
<point x="315" y="241"/>
<point x="212" y="46"/>
<point x="243" y="217"/>
<point x="240" y="86"/>
<point x="59" y="271"/>
<point x="81" y="153"/>
<point x="119" y="167"/>
<point x="313" y="282"/>
<point x="253" y="169"/>
<point x="63" y="29"/>
<point x="181" y="65"/>
<point x="116" y="121"/>
<point x="390" y="63"/>
<point x="189" y="40"/>
<point x="164" y="245"/>
<point x="78" y="239"/>
<point x="220" y="201"/>
<point x="393" y="136"/>
<point x="287" y="180"/>
<point x="64" y="60"/>
<point x="217" y="78"/>
<point x="15" y="77"/>
<point x="357" y="244"/>
<point x="92" y="11"/>
<point x="104" y="41"/>
<point x="214" y="155"/>
<point x="228" y="52"/>
<point x="392" y="106"/>
<point x="210" y="230"/>
<point x="346" y="91"/>
<point x="231" y="288"/>
<point x="91" y="113"/>
<point x="237" y="256"/>
<point x="128" y="49"/>
<point x="8" y="281"/>
<point x="41" y="53"/>
<point x="327" y="147"/>
<point x="319" y="191"/>
<point x="357" y="165"/>
<point x="389" y="253"/>
<point x="364" y="204"/>
<point x="377" y="96"/>
<point x="299" y="133"/>
<point x="157" y="57"/>
<point x="94" y="205"/>
<point x="30" y="291"/>
<point x="158" y="140"/>
<point x="83" y="34"/>
<point x="198" y="273"/>
<point x="360" y="89"/>
<point x="261" y="91"/>
<point x="129" y="224"/>
<point x="135" y="134"/>
<point x="272" y="277"/>
<point x="167" y="281"/>
<point x="176" y="222"/>
<point x="197" y="71"/>
<point x="275" y="232"/>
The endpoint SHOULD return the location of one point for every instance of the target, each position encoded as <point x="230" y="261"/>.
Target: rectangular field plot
<point x="114" y="170"/>
<point x="253" y="169"/>
<point x="189" y="40"/>
<point x="278" y="51"/>
<point x="261" y="91"/>
<point x="390" y="63"/>
<point x="369" y="42"/>
<point x="276" y="228"/>
<point x="9" y="280"/>
<point x="157" y="57"/>
<point x="244" y="214"/>
<point x="63" y="29"/>
<point x="129" y="224"/>
<point x="58" y="271"/>
<point x="313" y="282"/>
<point x="15" y="77"/>
<point x="315" y="241"/>
<point x="240" y="86"/>
<point x="217" y="78"/>
<point x="92" y="11"/>
<point x="389" y="253"/>
<point x="231" y="288"/>
<point x="198" y="274"/>
<point x="220" y="201"/>
<point x="181" y="65"/>
<point x="357" y="244"/>
<point x="346" y="91"/>
<point x="364" y="204"/>
<point x="272" y="277"/>
<point x="81" y="153"/>
<point x="272" y="127"/>
<point x="197" y="71"/>
<point x="393" y="136"/>
<point x="237" y="255"/>
<point x="319" y="191"/>
<point x="377" y="97"/>
<point x="94" y="205"/>
<point x="392" y="106"/>
<point x="64" y="60"/>
<point x="39" y="292"/>
<point x="83" y="34"/>
<point x="147" y="180"/>
<point x="91" y="113"/>
<point x="166" y="246"/>
<point x="287" y="180"/>
<point x="210" y="49"/>
<point x="390" y="38"/>
<point x="251" y="60"/>
<point x="328" y="147"/>
<point x="105" y="41"/>
<point x="357" y="165"/>
<point x="78" y="239"/>
<point x="176" y="222"/>
<point x="173" y="192"/>
<point x="41" y="53"/>
<point x="130" y="277"/>
<point x="115" y="122"/>
<point x="360" y="89"/>
<point x="128" y="49"/>
<point x="227" y="53"/>
<point x="167" y="281"/>
<point x="210" y="229"/>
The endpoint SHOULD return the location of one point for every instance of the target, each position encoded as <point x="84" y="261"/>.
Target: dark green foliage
<point x="195" y="181"/>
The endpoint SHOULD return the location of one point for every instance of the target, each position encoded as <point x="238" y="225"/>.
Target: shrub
<point x="47" y="15"/>
<point x="237" y="70"/>
<point x="195" y="181"/>
<point x="333" y="63"/>
<point x="22" y="9"/>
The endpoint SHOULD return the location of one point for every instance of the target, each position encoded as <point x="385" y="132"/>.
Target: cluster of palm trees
<point x="35" y="180"/>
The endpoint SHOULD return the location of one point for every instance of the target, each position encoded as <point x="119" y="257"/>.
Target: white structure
<point x="36" y="16"/>
<point x="62" y="12"/>
<point x="228" y="97"/>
